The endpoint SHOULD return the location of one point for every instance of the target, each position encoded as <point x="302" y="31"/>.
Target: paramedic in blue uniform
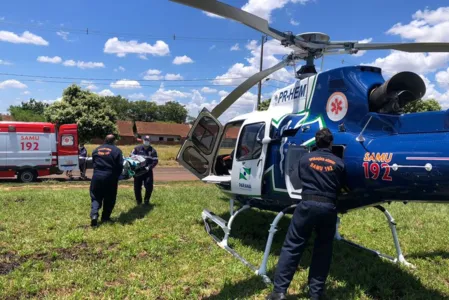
<point x="146" y="179"/>
<point x="107" y="162"/>
<point x="322" y="174"/>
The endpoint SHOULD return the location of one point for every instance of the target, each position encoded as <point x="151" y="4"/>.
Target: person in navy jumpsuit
<point x="322" y="174"/>
<point x="146" y="179"/>
<point x="82" y="160"/>
<point x="107" y="162"/>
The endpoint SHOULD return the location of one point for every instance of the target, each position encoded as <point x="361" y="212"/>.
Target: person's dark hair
<point x="110" y="139"/>
<point x="324" y="138"/>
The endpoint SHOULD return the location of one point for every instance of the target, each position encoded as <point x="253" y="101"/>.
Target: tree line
<point x="96" y="115"/>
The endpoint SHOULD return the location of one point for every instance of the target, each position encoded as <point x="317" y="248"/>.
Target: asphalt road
<point x="160" y="174"/>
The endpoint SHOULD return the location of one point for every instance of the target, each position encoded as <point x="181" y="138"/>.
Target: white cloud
<point x="208" y="90"/>
<point x="362" y="52"/>
<point x="5" y="63"/>
<point x="136" y="96"/>
<point x="294" y="22"/>
<point x="432" y="93"/>
<point x="83" y="64"/>
<point x="212" y="15"/>
<point x="89" y="85"/>
<point x="122" y="48"/>
<point x="173" y="77"/>
<point x="25" y="93"/>
<point x="12" y="84"/>
<point x="51" y="101"/>
<point x="235" y="47"/>
<point x="51" y="60"/>
<point x="244" y="105"/>
<point x="26" y="38"/>
<point x="179" y="60"/>
<point x="422" y="63"/>
<point x="427" y="26"/>
<point x="442" y="78"/>
<point x="120" y="69"/>
<point x="162" y="95"/>
<point x="264" y="8"/>
<point x="238" y="73"/>
<point x="105" y="93"/>
<point x="126" y="84"/>
<point x="64" y="35"/>
<point x="153" y="74"/>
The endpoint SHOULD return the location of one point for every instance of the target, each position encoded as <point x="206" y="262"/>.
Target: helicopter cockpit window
<point x="205" y="134"/>
<point x="250" y="143"/>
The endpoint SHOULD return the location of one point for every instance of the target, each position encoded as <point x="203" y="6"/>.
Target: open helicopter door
<point x="197" y="154"/>
<point x="250" y="156"/>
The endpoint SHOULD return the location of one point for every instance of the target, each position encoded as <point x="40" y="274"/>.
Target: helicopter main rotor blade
<point x="406" y="47"/>
<point x="245" y="86"/>
<point x="246" y="18"/>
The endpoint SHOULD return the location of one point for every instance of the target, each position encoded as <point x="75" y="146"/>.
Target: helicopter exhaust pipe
<point x="395" y="93"/>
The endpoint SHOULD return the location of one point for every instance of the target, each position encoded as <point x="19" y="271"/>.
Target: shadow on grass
<point x="356" y="270"/>
<point x="137" y="212"/>
<point x="432" y="255"/>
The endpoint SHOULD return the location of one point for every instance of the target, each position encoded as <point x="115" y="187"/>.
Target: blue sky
<point x="133" y="41"/>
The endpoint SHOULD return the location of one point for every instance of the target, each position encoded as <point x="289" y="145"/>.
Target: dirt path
<point x="162" y="174"/>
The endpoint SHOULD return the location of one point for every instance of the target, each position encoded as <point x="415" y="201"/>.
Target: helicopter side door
<point x="198" y="152"/>
<point x="250" y="157"/>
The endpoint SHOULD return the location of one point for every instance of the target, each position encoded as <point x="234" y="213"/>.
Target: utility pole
<point x="264" y="39"/>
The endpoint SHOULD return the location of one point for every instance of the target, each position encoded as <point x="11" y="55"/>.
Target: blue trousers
<point x="103" y="192"/>
<point x="147" y="181"/>
<point x="309" y="216"/>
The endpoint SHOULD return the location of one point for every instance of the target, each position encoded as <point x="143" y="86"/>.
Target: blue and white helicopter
<point x="390" y="156"/>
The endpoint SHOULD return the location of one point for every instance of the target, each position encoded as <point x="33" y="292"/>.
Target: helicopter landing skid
<point x="226" y="227"/>
<point x="399" y="256"/>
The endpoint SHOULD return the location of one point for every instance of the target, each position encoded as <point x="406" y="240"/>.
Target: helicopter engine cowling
<point x="395" y="93"/>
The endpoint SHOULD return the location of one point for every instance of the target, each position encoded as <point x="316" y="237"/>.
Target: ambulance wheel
<point x="27" y="176"/>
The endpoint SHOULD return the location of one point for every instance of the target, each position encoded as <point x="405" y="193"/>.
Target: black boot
<point x="276" y="296"/>
<point x="94" y="222"/>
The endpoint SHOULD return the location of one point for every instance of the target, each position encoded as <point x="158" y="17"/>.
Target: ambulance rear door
<point x="68" y="153"/>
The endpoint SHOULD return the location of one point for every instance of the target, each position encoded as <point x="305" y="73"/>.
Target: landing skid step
<point x="399" y="256"/>
<point x="262" y="270"/>
<point x="226" y="227"/>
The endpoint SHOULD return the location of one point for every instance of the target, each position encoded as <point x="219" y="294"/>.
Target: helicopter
<point x="389" y="156"/>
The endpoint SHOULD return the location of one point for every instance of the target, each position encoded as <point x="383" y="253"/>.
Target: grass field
<point x="49" y="251"/>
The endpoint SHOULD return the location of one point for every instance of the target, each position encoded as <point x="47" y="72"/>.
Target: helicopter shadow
<point x="357" y="269"/>
<point x="135" y="213"/>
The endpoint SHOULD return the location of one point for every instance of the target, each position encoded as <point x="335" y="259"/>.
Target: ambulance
<point x="30" y="150"/>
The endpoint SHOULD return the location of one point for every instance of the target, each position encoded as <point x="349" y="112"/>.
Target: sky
<point x="158" y="50"/>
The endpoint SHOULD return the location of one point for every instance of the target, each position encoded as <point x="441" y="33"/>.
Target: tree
<point x="94" y="117"/>
<point x="32" y="111"/>
<point x="264" y="104"/>
<point x="172" y="112"/>
<point x="422" y="106"/>
<point x="121" y="106"/>
<point x="143" y="111"/>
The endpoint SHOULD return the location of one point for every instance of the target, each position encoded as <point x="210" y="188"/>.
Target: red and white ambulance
<point x="34" y="149"/>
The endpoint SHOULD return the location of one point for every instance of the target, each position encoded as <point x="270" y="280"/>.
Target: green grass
<point x="49" y="251"/>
